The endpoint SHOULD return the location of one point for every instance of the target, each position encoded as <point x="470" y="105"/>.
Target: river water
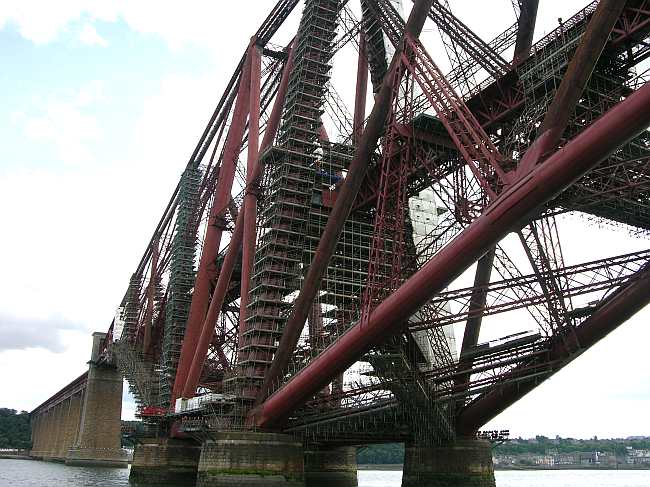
<point x="25" y="473"/>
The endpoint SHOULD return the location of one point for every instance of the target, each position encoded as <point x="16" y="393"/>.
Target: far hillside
<point x="14" y="429"/>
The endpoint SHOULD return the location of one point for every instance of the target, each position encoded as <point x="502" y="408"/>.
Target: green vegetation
<point x="393" y="453"/>
<point x="541" y="445"/>
<point x="14" y="429"/>
<point x="389" y="453"/>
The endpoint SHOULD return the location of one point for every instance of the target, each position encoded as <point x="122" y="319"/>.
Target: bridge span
<point x="298" y="296"/>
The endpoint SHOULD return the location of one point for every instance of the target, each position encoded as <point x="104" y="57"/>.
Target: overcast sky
<point x="102" y="103"/>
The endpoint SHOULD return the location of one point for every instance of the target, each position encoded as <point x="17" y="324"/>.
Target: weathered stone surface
<point x="99" y="438"/>
<point x="55" y="430"/>
<point x="246" y="459"/>
<point x="325" y="467"/>
<point x="165" y="461"/>
<point x="464" y="462"/>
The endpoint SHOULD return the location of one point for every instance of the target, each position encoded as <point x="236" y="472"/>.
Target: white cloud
<point x="30" y="376"/>
<point x="65" y="123"/>
<point x="89" y="36"/>
<point x="195" y="22"/>
<point x="26" y="332"/>
<point x="42" y="22"/>
<point x="77" y="229"/>
<point x="90" y="93"/>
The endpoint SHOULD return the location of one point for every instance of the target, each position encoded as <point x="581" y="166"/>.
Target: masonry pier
<point x="99" y="437"/>
<point x="249" y="459"/>
<point x="326" y="466"/>
<point x="464" y="462"/>
<point x="165" y="461"/>
<point x="81" y="424"/>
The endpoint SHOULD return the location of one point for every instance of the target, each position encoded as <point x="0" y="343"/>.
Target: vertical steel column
<point x="362" y="89"/>
<point x="250" y="197"/>
<point x="322" y="132"/>
<point x="207" y="330"/>
<point x="509" y="211"/>
<point x="476" y="305"/>
<point x="207" y="270"/>
<point x="315" y="326"/>
<point x="235" y="245"/>
<point x="356" y="174"/>
<point x="525" y="29"/>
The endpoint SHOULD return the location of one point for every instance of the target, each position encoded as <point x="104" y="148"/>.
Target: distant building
<point x="504" y="460"/>
<point x="545" y="460"/>
<point x="637" y="457"/>
<point x="566" y="459"/>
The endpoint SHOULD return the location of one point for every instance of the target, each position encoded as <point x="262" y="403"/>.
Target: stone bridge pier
<point x="242" y="459"/>
<point x="262" y="459"/>
<point x="81" y="424"/>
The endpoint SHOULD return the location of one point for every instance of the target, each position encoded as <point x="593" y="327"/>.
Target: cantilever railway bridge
<point x="299" y="285"/>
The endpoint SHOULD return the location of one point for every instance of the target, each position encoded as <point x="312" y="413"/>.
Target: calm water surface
<point x="24" y="473"/>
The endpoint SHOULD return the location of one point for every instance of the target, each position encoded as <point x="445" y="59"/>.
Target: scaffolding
<point x="411" y="387"/>
<point x="181" y="278"/>
<point x="285" y="205"/>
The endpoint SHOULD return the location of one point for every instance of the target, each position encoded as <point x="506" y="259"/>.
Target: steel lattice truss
<point x="304" y="268"/>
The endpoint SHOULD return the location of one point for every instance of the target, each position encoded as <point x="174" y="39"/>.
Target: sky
<point x="102" y="104"/>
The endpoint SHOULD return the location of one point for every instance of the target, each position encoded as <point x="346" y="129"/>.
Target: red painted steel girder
<point x="361" y="89"/>
<point x="620" y="307"/>
<point x="509" y="212"/>
<point x="225" y="273"/>
<point x="497" y="102"/>
<point x="525" y="29"/>
<point x="477" y="302"/>
<point x="207" y="329"/>
<point x="207" y="271"/>
<point x="472" y="44"/>
<point x="250" y="199"/>
<point x="585" y="278"/>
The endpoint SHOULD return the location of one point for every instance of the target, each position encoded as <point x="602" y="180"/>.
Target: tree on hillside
<point x="14" y="429"/>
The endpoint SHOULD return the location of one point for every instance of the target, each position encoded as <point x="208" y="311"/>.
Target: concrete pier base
<point x="465" y="462"/>
<point x="94" y="457"/>
<point x="165" y="462"/>
<point x="325" y="467"/>
<point x="250" y="459"/>
<point x="98" y="442"/>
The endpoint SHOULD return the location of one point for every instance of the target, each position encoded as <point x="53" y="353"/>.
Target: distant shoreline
<point x="8" y="456"/>
<point x="398" y="467"/>
<point x="622" y="466"/>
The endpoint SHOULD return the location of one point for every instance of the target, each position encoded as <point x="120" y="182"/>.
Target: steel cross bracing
<point x="488" y="110"/>
<point x="391" y="260"/>
<point x="465" y="67"/>
<point x="582" y="279"/>
<point x="462" y="37"/>
<point x="278" y="396"/>
<point x="477" y="149"/>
